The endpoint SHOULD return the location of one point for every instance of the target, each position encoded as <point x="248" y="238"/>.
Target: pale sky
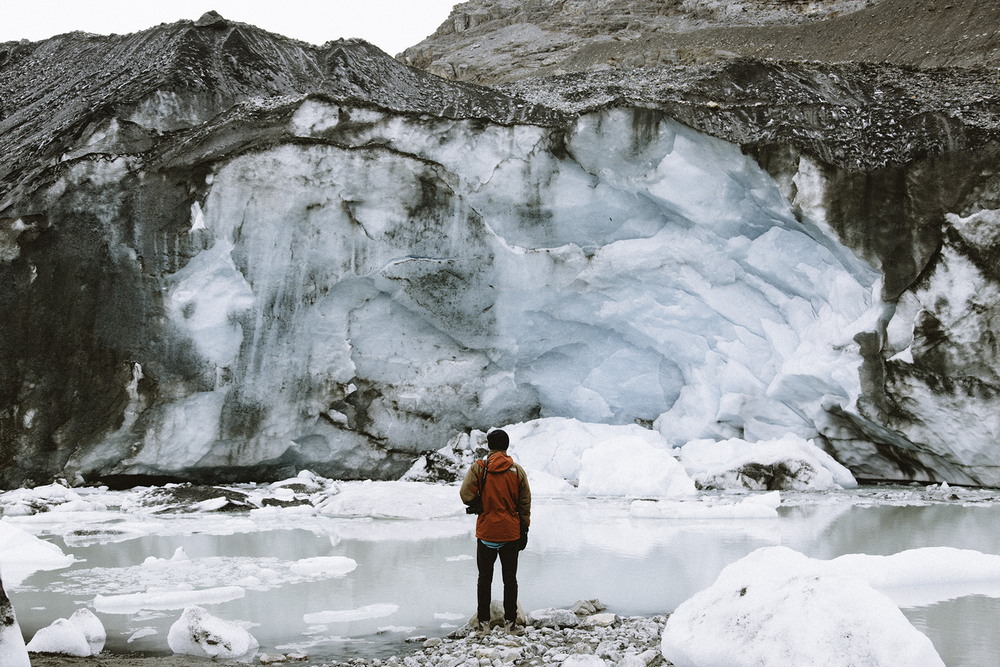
<point x="392" y="25"/>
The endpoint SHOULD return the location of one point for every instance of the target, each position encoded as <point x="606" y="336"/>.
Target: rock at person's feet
<point x="513" y="629"/>
<point x="480" y="630"/>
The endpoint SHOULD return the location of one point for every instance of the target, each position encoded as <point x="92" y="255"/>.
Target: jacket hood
<point x="499" y="461"/>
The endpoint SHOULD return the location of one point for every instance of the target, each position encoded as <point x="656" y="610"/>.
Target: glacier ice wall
<point x="229" y="255"/>
<point x="359" y="291"/>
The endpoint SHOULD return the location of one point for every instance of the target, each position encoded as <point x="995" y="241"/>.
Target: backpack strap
<point x="482" y="474"/>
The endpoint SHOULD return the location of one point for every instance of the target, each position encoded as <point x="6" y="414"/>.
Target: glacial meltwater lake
<point x="417" y="577"/>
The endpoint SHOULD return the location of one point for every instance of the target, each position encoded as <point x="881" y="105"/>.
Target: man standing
<point x="502" y="526"/>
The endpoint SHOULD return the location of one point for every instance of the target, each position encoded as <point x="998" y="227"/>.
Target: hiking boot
<point x="480" y="629"/>
<point x="513" y="629"/>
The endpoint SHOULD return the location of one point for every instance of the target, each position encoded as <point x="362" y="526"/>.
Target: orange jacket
<point x="506" y="498"/>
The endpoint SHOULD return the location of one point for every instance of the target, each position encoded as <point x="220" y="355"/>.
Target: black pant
<point x="486" y="558"/>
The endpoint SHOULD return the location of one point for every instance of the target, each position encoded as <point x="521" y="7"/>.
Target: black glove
<point x="522" y="543"/>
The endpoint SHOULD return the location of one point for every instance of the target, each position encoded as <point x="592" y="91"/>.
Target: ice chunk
<point x="449" y="616"/>
<point x="210" y="505"/>
<point x="131" y="603"/>
<point x="22" y="554"/>
<point x="557" y="445"/>
<point x="544" y="484"/>
<point x="411" y="530"/>
<point x="200" y="634"/>
<point x="753" y="507"/>
<point x="774" y="607"/>
<point x="404" y="629"/>
<point x="81" y="635"/>
<point x="55" y="497"/>
<point x="393" y="500"/>
<point x="631" y="466"/>
<point x="92" y="629"/>
<point x="628" y="460"/>
<point x="924" y="576"/>
<point x="314" y="117"/>
<point x="348" y="615"/>
<point x="328" y="566"/>
<point x="60" y="637"/>
<point x="788" y="463"/>
<point x="142" y="632"/>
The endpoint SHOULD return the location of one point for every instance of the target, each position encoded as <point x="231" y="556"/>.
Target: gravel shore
<point x="118" y="660"/>
<point x="603" y="639"/>
<point x="597" y="640"/>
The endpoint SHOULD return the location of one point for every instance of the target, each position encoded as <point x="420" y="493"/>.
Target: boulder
<point x="554" y="618"/>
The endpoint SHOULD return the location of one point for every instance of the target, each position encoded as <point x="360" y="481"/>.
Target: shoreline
<point x="618" y="641"/>
<point x="117" y="660"/>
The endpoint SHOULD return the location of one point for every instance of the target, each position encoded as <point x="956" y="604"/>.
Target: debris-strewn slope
<point x="491" y="41"/>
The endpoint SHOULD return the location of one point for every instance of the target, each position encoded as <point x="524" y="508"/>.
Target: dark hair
<point x="498" y="439"/>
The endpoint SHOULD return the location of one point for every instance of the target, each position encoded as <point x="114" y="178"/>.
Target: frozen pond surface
<point x="416" y="577"/>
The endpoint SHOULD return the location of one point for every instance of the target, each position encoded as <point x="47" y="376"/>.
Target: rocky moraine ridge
<point x="127" y="188"/>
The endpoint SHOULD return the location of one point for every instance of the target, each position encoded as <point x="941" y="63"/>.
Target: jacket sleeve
<point x="470" y="485"/>
<point x="523" y="498"/>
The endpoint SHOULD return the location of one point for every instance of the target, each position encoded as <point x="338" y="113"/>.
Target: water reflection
<point x="962" y="629"/>
<point x="577" y="549"/>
